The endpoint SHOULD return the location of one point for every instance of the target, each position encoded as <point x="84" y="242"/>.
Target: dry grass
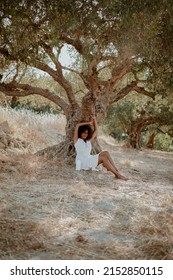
<point x="50" y="211"/>
<point x="39" y="131"/>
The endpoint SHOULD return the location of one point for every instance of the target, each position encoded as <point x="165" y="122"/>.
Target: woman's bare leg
<point x="107" y="155"/>
<point x="107" y="164"/>
<point x="110" y="159"/>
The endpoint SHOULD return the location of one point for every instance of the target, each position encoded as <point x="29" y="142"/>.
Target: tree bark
<point x="150" y="143"/>
<point x="134" y="136"/>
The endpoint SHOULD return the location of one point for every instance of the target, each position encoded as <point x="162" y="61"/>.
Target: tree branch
<point x="21" y="90"/>
<point x="56" y="75"/>
<point x="76" y="43"/>
<point x="131" y="87"/>
<point x="48" y="50"/>
<point x="59" y="77"/>
<point x="103" y="67"/>
<point x="119" y="72"/>
<point x="144" y="92"/>
<point x="80" y="74"/>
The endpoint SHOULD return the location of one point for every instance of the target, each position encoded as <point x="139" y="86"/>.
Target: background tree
<point x="121" y="37"/>
<point x="140" y="119"/>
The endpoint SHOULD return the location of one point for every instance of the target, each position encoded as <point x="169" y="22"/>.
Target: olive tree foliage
<point x="117" y="37"/>
<point x="133" y="117"/>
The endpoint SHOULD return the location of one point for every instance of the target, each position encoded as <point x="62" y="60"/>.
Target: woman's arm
<point x="95" y="128"/>
<point x="77" y="127"/>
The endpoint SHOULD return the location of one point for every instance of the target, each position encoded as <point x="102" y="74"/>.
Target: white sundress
<point x="84" y="160"/>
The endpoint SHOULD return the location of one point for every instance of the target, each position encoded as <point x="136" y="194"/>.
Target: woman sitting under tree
<point x="83" y="136"/>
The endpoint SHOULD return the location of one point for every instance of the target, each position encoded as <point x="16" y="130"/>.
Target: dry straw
<point x="50" y="211"/>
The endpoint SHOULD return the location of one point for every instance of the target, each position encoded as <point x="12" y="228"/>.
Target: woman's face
<point x="84" y="134"/>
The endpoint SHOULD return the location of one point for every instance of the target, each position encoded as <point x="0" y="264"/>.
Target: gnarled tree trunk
<point x="66" y="150"/>
<point x="135" y="131"/>
<point x="134" y="136"/>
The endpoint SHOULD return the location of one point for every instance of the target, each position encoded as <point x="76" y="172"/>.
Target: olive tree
<point x="111" y="41"/>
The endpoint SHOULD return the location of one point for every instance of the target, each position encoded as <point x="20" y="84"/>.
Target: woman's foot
<point x="121" y="177"/>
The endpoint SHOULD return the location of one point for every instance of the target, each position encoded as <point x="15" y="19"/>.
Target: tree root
<point x="64" y="151"/>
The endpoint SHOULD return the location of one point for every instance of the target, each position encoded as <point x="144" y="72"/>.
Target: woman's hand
<point x="91" y="123"/>
<point x="85" y="123"/>
<point x="94" y="119"/>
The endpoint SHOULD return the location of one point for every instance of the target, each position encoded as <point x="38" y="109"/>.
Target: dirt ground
<point x="50" y="211"/>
